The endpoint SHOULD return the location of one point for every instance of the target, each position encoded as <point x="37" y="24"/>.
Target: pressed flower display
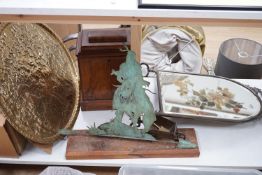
<point x="191" y="95"/>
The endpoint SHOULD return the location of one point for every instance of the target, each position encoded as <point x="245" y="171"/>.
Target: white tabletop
<point x="221" y="144"/>
<point x="113" y="8"/>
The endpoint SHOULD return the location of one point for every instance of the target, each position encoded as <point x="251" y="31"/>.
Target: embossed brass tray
<point x="39" y="92"/>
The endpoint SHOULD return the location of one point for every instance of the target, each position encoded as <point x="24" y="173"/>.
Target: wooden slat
<point x="60" y="19"/>
<point x="136" y="34"/>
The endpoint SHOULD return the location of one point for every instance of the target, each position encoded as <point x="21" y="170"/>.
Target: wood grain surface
<point x="93" y="147"/>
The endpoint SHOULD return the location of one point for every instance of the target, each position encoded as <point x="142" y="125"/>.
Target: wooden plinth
<point x="92" y="147"/>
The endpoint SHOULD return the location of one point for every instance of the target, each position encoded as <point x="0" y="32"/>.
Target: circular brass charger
<point x="39" y="83"/>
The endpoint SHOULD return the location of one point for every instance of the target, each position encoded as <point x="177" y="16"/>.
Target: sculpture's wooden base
<point x="92" y="147"/>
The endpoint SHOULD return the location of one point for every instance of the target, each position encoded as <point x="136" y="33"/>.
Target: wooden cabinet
<point x="98" y="52"/>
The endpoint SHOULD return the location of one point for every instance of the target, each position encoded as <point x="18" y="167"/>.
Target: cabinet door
<point x="97" y="83"/>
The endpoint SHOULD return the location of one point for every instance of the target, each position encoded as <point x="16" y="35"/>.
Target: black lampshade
<point x="239" y="58"/>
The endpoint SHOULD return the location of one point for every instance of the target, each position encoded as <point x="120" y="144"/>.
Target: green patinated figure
<point x="130" y="99"/>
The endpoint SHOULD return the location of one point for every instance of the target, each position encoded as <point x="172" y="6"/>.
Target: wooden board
<point x="92" y="147"/>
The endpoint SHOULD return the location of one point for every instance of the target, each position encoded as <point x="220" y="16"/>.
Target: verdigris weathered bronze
<point x="129" y="98"/>
<point x="39" y="92"/>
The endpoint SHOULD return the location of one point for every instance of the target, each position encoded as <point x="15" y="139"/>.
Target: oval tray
<point x="39" y="92"/>
<point x="206" y="97"/>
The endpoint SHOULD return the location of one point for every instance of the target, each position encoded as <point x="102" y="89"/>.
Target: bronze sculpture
<point x="129" y="98"/>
